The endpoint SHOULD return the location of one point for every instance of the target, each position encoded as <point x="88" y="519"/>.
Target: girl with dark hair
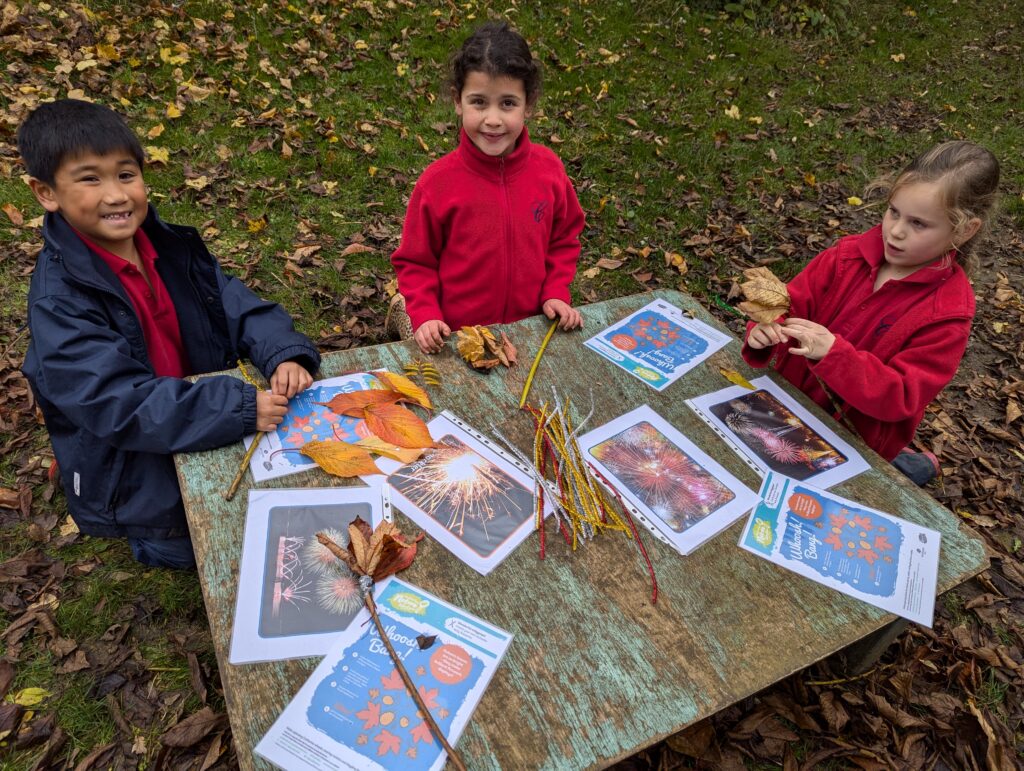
<point x="491" y="234"/>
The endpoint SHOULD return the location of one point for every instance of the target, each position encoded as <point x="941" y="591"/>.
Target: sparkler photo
<point x="777" y="436"/>
<point x="467" y="494"/>
<point x="305" y="588"/>
<point x="668" y="481"/>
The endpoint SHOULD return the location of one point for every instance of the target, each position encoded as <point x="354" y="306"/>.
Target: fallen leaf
<point x="173" y="111"/>
<point x="854" y="201"/>
<point x="156" y="131"/>
<point x="736" y="378"/>
<point x="397" y="425"/>
<point x="355" y="249"/>
<point x="157" y="154"/>
<point x="13" y="214"/>
<point x="30" y="697"/>
<point x="403" y="455"/>
<point x="405" y="387"/>
<point x="194" y="728"/>
<point x="340" y="459"/>
<point x="353" y="403"/>
<point x="608" y="264"/>
<point x="767" y="297"/>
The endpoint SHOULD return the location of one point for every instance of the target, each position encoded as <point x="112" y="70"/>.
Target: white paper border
<point x="855" y="463"/>
<point x="247" y="645"/>
<point x="687" y="541"/>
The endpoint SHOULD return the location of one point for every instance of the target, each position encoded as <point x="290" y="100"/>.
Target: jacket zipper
<point x="507" y="210"/>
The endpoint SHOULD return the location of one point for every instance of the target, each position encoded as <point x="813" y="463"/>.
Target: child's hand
<point x="290" y="378"/>
<point x="815" y="340"/>
<point x="766" y="335"/>
<point x="270" y="410"/>
<point x="431" y="334"/>
<point x="569" y="317"/>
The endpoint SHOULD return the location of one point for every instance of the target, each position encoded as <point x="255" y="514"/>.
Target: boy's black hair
<point x="496" y="50"/>
<point x="67" y="128"/>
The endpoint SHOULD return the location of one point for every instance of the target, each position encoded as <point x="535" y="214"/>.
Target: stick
<point x="536" y="361"/>
<point x="241" y="469"/>
<point x="409" y="685"/>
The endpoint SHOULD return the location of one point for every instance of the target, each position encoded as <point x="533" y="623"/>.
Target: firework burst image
<point x="777" y="436"/>
<point x="668" y="481"/>
<point x="306" y="589"/>
<point x="474" y="499"/>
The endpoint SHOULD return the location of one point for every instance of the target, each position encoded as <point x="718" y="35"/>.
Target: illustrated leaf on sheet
<point x="767" y="296"/>
<point x="397" y="425"/>
<point x="403" y="385"/>
<point x="340" y="459"/>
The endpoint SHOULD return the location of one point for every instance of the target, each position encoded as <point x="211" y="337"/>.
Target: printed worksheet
<point x="675" y="489"/>
<point x="774" y="432"/>
<point x="294" y="596"/>
<point x="354" y="710"/>
<point x="658" y="343"/>
<point x="307" y="421"/>
<point x="466" y="492"/>
<point x="883" y="560"/>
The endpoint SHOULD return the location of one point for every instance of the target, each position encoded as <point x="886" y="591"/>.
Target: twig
<point x="409" y="685"/>
<point x="244" y="465"/>
<point x="536" y="361"/>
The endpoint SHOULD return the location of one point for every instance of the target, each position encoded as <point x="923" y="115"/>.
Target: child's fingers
<point x="445" y="329"/>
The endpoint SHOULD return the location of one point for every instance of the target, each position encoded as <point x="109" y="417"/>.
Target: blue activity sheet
<point x="308" y="421"/>
<point x="658" y="344"/>
<point x="884" y="560"/>
<point x="354" y="711"/>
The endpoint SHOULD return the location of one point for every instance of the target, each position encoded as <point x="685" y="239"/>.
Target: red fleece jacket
<point x="895" y="349"/>
<point x="488" y="240"/>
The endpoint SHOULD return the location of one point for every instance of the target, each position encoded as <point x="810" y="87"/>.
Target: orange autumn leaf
<point x="405" y="387"/>
<point x="376" y="553"/>
<point x="379" y="446"/>
<point x="397" y="425"/>
<point x="340" y="459"/>
<point x="353" y="404"/>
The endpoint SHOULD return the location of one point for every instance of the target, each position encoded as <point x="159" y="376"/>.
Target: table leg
<point x="863" y="654"/>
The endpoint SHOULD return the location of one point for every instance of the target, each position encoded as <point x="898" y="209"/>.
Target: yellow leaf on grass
<point x="854" y="201"/>
<point x="156" y="131"/>
<point x="173" y="111"/>
<point x="397" y="425"/>
<point x="379" y="446"/>
<point x="108" y="52"/>
<point x="733" y="112"/>
<point x="199" y="183"/>
<point x="30" y="697"/>
<point x="157" y="154"/>
<point x="736" y="378"/>
<point x="340" y="459"/>
<point x="405" y="387"/>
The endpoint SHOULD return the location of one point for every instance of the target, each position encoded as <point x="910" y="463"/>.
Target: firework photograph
<point x="306" y="589"/>
<point x="779" y="438"/>
<point x="679" y="492"/>
<point x="671" y="483"/>
<point x="473" y="499"/>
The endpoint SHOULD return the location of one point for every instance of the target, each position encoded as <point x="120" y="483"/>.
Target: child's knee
<point x="173" y="553"/>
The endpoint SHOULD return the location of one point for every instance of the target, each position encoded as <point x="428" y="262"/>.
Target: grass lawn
<point x="289" y="131"/>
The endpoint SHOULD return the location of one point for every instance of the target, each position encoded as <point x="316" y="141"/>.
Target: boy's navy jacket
<point x="114" y="423"/>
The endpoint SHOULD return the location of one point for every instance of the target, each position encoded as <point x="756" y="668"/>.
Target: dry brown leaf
<point x="355" y="249"/>
<point x="482" y="350"/>
<point x="397" y="425"/>
<point x="405" y="387"/>
<point x="376" y="553"/>
<point x="13" y="214"/>
<point x="353" y="404"/>
<point x="767" y="296"/>
<point x="510" y="350"/>
<point x="340" y="459"/>
<point x="608" y="264"/>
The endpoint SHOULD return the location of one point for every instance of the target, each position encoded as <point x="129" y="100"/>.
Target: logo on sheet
<point x="404" y="602"/>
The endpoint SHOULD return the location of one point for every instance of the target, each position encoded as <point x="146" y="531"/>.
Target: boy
<point x="122" y="306"/>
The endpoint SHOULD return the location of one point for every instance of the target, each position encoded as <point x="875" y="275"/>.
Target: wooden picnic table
<point x="595" y="672"/>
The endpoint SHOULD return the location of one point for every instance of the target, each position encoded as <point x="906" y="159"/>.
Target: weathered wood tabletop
<point x="595" y="672"/>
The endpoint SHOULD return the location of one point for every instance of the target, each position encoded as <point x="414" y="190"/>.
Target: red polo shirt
<point x="153" y="306"/>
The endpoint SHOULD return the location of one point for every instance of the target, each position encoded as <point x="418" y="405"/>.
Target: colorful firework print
<point x="668" y="481"/>
<point x="658" y="343"/>
<point x="471" y="497"/>
<point x="779" y="438"/>
<point x="383" y="724"/>
<point x="306" y="589"/>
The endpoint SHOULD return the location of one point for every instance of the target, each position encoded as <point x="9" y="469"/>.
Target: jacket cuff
<point x="248" y="409"/>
